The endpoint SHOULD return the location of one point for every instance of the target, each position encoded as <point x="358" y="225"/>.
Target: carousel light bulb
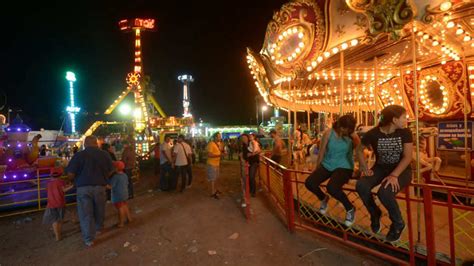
<point x="309" y="68"/>
<point x="445" y="6"/>
<point x="327" y="54"/>
<point x="284" y="34"/>
<point x="335" y="50"/>
<point x="354" y="42"/>
<point x="320" y="58"/>
<point x="298" y="50"/>
<point x="280" y="37"/>
<point x="344" y="46"/>
<point x="435" y="43"/>
<point x="459" y="31"/>
<point x="313" y="63"/>
<point x="426" y="36"/>
<point x="300" y="35"/>
<point x="450" y="24"/>
<point x="467" y="38"/>
<point x="295" y="30"/>
<point x="301" y="44"/>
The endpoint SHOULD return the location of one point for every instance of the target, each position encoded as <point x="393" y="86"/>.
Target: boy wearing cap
<point x="118" y="183"/>
<point x="56" y="206"/>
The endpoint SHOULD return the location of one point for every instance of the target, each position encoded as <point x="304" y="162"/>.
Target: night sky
<point x="206" y="39"/>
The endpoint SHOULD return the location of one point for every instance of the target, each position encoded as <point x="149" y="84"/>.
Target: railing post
<point x="38" y="187"/>
<point x="267" y="164"/>
<point x="290" y="209"/>
<point x="429" y="225"/>
<point x="410" y="225"/>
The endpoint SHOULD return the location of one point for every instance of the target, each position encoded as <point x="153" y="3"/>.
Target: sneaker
<point x="350" y="217"/>
<point x="375" y="222"/>
<point x="324" y="205"/>
<point x="244" y="205"/>
<point x="215" y="196"/>
<point x="395" y="233"/>
<point x="89" y="244"/>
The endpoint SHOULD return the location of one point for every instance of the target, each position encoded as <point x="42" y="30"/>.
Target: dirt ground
<point x="173" y="228"/>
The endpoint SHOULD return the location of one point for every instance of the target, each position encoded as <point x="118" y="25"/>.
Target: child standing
<point x="56" y="206"/>
<point x="119" y="185"/>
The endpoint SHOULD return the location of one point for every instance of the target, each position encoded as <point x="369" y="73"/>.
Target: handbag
<point x="187" y="157"/>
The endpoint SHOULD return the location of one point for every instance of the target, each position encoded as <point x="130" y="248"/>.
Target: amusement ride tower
<point x="72" y="110"/>
<point x="186" y="79"/>
<point x="148" y="116"/>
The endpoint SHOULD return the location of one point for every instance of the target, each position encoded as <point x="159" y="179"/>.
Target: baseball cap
<point x="119" y="165"/>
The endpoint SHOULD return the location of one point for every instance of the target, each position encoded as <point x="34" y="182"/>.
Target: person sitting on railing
<point x="336" y="163"/>
<point x="427" y="163"/>
<point x="392" y="143"/>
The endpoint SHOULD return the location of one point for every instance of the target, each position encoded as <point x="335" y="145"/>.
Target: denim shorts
<point x="212" y="172"/>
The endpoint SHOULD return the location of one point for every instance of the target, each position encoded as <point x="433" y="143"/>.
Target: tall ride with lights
<point x="186" y="79"/>
<point x="72" y="110"/>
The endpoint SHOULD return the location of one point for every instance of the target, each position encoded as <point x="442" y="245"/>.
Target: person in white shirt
<point x="182" y="159"/>
<point x="167" y="176"/>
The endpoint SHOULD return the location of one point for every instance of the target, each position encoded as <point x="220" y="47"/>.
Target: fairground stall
<point x="337" y="57"/>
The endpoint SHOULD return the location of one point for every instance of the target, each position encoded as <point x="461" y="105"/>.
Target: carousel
<point x="334" y="57"/>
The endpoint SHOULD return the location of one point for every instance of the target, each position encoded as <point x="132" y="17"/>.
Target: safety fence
<point x="25" y="195"/>
<point x="439" y="224"/>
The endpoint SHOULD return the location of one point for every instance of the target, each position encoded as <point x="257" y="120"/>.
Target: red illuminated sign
<point x="140" y="23"/>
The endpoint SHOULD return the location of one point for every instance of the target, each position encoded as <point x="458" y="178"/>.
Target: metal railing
<point x="439" y="231"/>
<point x="26" y="195"/>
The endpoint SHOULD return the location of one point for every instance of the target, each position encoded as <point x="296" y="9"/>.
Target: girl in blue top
<point x="336" y="163"/>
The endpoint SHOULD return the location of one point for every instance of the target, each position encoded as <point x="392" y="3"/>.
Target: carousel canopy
<point x="357" y="55"/>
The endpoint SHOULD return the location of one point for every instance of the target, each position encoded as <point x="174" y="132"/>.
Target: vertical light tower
<point x="186" y="79"/>
<point x="72" y="109"/>
<point x="134" y="78"/>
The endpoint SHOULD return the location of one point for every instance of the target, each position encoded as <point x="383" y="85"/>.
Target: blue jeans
<point x="91" y="210"/>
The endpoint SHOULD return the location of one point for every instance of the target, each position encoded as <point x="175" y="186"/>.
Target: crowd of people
<point x="95" y="169"/>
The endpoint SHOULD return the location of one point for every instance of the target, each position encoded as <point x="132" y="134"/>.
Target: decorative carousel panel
<point x="344" y="24"/>
<point x="293" y="35"/>
<point x="442" y="89"/>
<point x="259" y="73"/>
<point x="385" y="16"/>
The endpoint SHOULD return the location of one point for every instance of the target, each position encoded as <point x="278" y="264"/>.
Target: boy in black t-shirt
<point x="392" y="144"/>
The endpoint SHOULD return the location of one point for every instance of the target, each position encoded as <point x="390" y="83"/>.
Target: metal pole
<point x="290" y="146"/>
<point x="309" y="124"/>
<point x="417" y="127"/>
<point x="467" y="154"/>
<point x="358" y="105"/>
<point x="256" y="109"/>
<point x="263" y="119"/>
<point x="376" y="91"/>
<point x="341" y="91"/>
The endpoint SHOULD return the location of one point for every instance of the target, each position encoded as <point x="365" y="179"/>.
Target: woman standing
<point x="253" y="158"/>
<point x="392" y="143"/>
<point x="336" y="163"/>
<point x="243" y="156"/>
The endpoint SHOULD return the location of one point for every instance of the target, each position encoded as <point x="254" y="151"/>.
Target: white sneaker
<point x="244" y="205"/>
<point x="324" y="206"/>
<point x="350" y="217"/>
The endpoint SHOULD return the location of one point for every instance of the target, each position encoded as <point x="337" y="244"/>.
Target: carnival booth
<point x="337" y="57"/>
